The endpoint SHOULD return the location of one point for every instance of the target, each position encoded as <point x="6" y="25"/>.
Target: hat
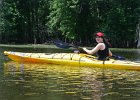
<point x="100" y="34"/>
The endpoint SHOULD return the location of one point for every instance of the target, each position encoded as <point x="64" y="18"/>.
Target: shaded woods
<point x="73" y="21"/>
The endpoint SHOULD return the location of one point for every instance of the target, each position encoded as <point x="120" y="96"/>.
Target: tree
<point x="120" y="22"/>
<point x="24" y="19"/>
<point x="35" y="21"/>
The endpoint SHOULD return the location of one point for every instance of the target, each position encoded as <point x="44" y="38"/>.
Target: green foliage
<point x="9" y="15"/>
<point x="62" y="17"/>
<point x="121" y="21"/>
<point x="36" y="21"/>
<point x="24" y="18"/>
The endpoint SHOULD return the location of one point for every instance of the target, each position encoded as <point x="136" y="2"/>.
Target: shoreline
<point x="52" y="46"/>
<point x="28" y="45"/>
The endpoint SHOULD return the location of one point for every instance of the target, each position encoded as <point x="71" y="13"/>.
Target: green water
<point x="32" y="81"/>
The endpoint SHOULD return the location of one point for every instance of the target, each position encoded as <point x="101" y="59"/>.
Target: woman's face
<point x="99" y="39"/>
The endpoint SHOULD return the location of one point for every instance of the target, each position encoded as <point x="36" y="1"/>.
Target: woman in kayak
<point x="102" y="48"/>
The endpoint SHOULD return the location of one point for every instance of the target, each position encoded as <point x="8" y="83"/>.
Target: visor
<point x="100" y="34"/>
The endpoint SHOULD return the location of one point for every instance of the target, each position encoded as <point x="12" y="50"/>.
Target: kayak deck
<point x="71" y="59"/>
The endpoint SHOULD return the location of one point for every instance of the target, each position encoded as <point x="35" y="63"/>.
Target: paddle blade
<point x="61" y="44"/>
<point x="118" y="57"/>
<point x="80" y="50"/>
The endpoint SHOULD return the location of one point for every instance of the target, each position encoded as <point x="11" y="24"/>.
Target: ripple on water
<point x="85" y="83"/>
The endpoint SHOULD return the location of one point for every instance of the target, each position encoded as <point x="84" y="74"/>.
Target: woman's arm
<point x="94" y="50"/>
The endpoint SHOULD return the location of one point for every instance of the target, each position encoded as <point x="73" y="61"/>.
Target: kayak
<point x="74" y="59"/>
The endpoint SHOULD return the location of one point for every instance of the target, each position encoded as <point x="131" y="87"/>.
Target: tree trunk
<point x="138" y="35"/>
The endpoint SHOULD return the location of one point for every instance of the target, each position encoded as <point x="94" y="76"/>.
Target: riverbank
<point x="28" y="45"/>
<point x="51" y="46"/>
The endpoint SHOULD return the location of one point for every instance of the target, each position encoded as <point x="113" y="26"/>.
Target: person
<point x="102" y="48"/>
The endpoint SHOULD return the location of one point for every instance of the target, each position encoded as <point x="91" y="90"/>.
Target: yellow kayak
<point x="73" y="59"/>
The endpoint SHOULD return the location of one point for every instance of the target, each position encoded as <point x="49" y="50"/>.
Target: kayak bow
<point x="73" y="59"/>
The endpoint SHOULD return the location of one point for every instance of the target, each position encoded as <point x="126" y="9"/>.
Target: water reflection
<point x="55" y="82"/>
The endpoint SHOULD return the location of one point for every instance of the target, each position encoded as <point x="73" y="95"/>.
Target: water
<point x="32" y="81"/>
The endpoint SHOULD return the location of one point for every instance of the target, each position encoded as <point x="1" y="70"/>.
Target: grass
<point x="28" y="46"/>
<point x="52" y="46"/>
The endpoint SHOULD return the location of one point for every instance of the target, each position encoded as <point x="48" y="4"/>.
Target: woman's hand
<point x="81" y="50"/>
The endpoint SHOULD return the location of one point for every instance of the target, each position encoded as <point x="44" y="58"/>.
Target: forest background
<point x="72" y="21"/>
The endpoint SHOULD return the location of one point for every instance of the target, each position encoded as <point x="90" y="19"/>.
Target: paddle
<point x="65" y="45"/>
<point x="117" y="57"/>
<point x="62" y="44"/>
